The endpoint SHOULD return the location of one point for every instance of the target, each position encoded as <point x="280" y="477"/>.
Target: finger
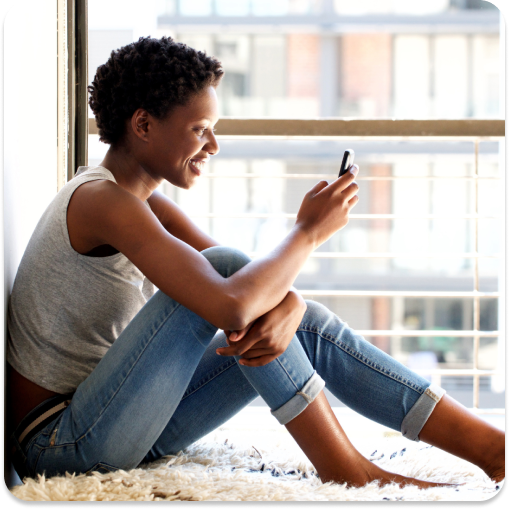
<point x="354" y="168"/>
<point x="341" y="183"/>
<point x="318" y="187"/>
<point x="353" y="201"/>
<point x="243" y="333"/>
<point x="350" y="191"/>
<point x="237" y="335"/>
<point x="244" y="340"/>
<point x="229" y="351"/>
<point x="229" y="341"/>
<point x="258" y="361"/>
<point x="239" y="347"/>
<point x="257" y="352"/>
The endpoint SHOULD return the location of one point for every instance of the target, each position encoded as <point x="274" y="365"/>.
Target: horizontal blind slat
<point x="247" y="215"/>
<point x="355" y="128"/>
<point x="429" y="333"/>
<point x="396" y="293"/>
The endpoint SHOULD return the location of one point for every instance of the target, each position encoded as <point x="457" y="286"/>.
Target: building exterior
<point x="339" y="58"/>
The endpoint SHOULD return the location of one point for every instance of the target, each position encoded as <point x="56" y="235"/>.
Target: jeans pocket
<point x="102" y="468"/>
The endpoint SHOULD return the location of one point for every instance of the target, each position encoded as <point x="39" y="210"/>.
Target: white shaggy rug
<point x="230" y="465"/>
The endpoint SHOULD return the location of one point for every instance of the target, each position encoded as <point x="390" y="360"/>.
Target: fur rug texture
<point x="266" y="466"/>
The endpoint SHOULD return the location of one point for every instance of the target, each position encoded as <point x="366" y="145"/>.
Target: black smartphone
<point x="347" y="161"/>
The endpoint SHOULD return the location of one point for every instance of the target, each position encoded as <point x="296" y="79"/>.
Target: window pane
<point x="233" y="7"/>
<point x="270" y="7"/>
<point x="195" y="7"/>
<point x="380" y="59"/>
<point x="100" y="45"/>
<point x="259" y="181"/>
<point x="403" y="6"/>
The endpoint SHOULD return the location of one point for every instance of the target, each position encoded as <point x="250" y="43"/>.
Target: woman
<point x="108" y="373"/>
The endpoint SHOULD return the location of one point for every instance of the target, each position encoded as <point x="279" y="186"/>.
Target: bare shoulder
<point x="102" y="213"/>
<point x="100" y="197"/>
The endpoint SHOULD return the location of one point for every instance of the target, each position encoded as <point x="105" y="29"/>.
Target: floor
<point x="361" y="431"/>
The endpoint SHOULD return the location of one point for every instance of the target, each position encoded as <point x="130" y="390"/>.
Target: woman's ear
<point x="140" y="123"/>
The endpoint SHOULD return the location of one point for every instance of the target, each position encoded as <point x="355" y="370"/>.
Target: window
<point x="418" y="268"/>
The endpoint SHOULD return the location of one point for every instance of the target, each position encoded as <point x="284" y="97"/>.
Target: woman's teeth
<point x="199" y="165"/>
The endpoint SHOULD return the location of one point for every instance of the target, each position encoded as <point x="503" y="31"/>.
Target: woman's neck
<point x="129" y="173"/>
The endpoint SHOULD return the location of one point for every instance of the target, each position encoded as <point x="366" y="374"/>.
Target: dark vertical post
<point x="81" y="34"/>
<point x="71" y="88"/>
<point x="77" y="31"/>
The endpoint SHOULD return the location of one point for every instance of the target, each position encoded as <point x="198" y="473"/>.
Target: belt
<point x="38" y="418"/>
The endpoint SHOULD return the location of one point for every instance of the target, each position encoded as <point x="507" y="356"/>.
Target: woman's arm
<point x="111" y="215"/>
<point x="177" y="223"/>
<point x="270" y="334"/>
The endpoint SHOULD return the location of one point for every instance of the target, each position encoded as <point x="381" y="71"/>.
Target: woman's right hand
<point x="325" y="208"/>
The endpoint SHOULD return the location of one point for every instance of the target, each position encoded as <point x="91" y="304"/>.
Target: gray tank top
<point x="67" y="309"/>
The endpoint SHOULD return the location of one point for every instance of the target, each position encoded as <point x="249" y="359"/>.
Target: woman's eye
<point x="201" y="131"/>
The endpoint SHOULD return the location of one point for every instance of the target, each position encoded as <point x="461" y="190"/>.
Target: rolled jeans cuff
<point x="301" y="400"/>
<point x="418" y="415"/>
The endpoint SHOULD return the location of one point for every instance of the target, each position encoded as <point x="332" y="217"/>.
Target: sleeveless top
<point x="66" y="309"/>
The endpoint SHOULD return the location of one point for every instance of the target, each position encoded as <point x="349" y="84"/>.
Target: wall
<point x="29" y="45"/>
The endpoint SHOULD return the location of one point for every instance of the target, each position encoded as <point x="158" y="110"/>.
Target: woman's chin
<point x="188" y="184"/>
<point x="185" y="182"/>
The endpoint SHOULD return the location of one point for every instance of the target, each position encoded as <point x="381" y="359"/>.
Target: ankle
<point x="323" y="441"/>
<point x="355" y="474"/>
<point x="493" y="463"/>
<point x="458" y="431"/>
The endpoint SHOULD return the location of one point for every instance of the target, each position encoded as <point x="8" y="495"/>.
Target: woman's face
<point x="180" y="145"/>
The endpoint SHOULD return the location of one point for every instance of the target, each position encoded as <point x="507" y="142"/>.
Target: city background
<point x="410" y="59"/>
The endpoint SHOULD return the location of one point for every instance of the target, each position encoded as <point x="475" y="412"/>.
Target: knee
<point x="226" y="260"/>
<point x="316" y="310"/>
<point x="318" y="315"/>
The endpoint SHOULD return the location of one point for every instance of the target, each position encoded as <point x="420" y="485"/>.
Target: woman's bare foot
<point x="326" y="445"/>
<point x="453" y="428"/>
<point x="366" y="472"/>
<point x="498" y="475"/>
<point x="495" y="465"/>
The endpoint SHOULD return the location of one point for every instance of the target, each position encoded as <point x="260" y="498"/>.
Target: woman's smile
<point x="198" y="165"/>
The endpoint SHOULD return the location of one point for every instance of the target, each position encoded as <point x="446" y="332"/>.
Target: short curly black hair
<point x="153" y="74"/>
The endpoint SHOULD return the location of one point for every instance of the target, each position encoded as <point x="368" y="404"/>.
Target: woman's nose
<point x="212" y="146"/>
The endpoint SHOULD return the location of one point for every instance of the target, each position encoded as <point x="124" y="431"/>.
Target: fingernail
<point x="354" y="170"/>
<point x="218" y="352"/>
<point x="233" y="336"/>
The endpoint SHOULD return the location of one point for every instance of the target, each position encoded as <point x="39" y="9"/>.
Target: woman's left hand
<point x="266" y="338"/>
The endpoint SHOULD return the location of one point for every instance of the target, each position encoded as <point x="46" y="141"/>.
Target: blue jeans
<point x="161" y="386"/>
